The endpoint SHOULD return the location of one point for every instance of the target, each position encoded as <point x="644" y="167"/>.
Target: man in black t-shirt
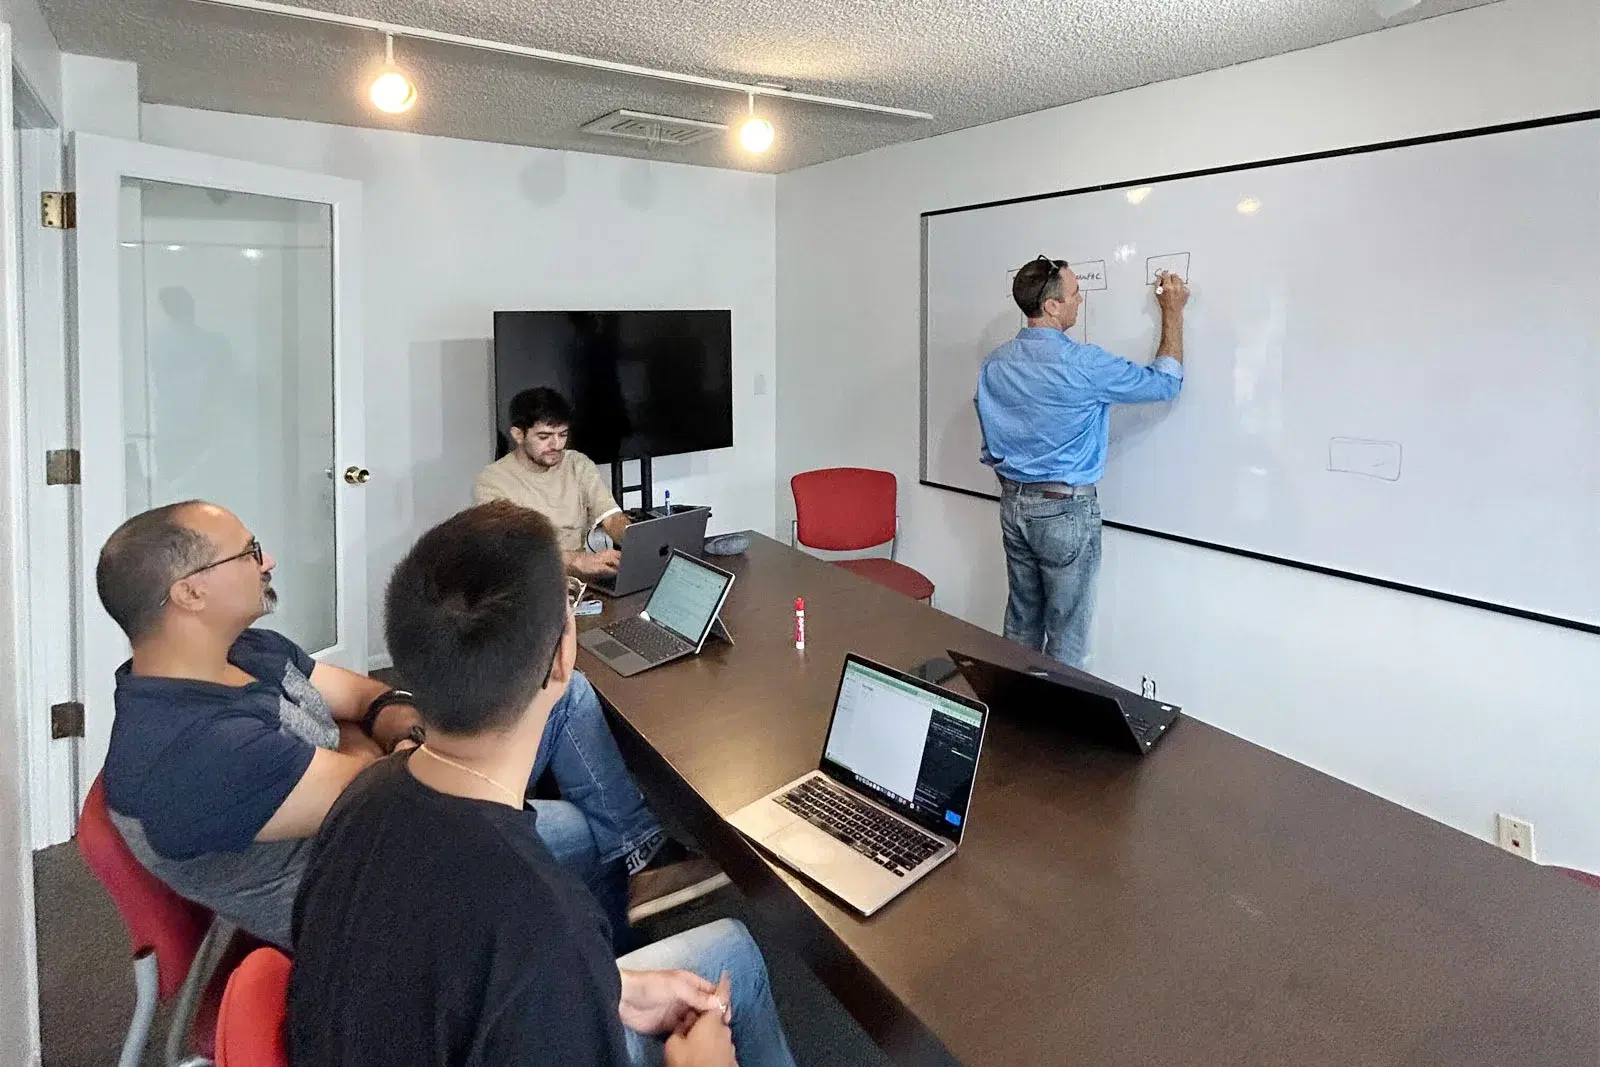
<point x="432" y="926"/>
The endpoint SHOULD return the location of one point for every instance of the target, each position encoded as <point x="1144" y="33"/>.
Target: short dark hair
<point x="533" y="406"/>
<point x="140" y="561"/>
<point x="1030" y="289"/>
<point x="474" y="615"/>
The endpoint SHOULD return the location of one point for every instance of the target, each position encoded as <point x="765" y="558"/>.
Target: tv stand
<point x="644" y="488"/>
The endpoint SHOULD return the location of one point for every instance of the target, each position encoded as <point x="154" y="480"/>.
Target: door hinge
<point x="63" y="466"/>
<point x="58" y="211"/>
<point x="66" y="720"/>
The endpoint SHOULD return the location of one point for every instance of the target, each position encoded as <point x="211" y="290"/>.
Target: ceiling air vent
<point x="656" y="129"/>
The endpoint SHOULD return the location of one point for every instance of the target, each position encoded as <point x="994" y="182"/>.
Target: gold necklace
<point x="516" y="797"/>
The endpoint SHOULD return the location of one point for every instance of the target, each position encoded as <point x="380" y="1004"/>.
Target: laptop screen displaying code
<point x="912" y="750"/>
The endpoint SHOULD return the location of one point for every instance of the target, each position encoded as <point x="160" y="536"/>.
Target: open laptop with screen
<point x="680" y="614"/>
<point x="647" y="546"/>
<point x="888" y="801"/>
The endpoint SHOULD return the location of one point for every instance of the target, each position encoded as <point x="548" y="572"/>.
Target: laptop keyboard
<point x="647" y="639"/>
<point x="884" y="840"/>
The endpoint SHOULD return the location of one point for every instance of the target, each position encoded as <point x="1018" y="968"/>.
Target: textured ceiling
<point x="967" y="62"/>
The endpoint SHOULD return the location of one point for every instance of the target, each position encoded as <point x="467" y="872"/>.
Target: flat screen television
<point x="641" y="383"/>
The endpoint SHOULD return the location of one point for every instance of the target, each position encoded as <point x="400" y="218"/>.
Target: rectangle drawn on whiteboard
<point x="1091" y="274"/>
<point x="1174" y="263"/>
<point x="1374" y="459"/>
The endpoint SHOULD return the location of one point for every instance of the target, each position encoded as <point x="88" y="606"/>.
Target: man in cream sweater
<point x="543" y="474"/>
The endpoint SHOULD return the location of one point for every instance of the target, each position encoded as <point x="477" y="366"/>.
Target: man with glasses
<point x="541" y="473"/>
<point x="230" y="743"/>
<point x="1044" y="405"/>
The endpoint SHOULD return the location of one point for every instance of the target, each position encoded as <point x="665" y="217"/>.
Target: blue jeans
<point x="579" y="750"/>
<point x="708" y="951"/>
<point x="1052" y="565"/>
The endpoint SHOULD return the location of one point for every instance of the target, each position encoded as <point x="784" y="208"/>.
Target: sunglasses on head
<point x="1052" y="268"/>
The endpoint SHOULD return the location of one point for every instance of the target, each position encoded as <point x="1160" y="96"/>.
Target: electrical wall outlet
<point x="1147" y="687"/>
<point x="1514" y="835"/>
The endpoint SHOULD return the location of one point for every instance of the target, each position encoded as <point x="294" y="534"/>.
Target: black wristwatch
<point x="369" y="721"/>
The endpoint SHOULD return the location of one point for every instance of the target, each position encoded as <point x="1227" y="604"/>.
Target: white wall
<point x="33" y="51"/>
<point x="1455" y="712"/>
<point x="99" y="96"/>
<point x="454" y="230"/>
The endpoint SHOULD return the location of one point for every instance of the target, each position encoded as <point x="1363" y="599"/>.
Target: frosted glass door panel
<point x="228" y="376"/>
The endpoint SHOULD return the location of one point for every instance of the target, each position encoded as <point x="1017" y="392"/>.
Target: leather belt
<point x="1049" y="490"/>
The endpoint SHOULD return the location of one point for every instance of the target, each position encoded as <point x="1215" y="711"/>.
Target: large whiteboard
<point x="1393" y="357"/>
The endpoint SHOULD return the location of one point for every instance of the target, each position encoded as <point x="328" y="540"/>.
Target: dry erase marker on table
<point x="666" y="504"/>
<point x="800" y="624"/>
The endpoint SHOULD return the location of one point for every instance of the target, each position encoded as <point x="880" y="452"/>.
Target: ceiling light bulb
<point x="1248" y="206"/>
<point x="756" y="134"/>
<point x="392" y="91"/>
<point x="1137" y="196"/>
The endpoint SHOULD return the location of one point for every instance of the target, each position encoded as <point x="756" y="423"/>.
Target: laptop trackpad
<point x="609" y="649"/>
<point x="822" y="857"/>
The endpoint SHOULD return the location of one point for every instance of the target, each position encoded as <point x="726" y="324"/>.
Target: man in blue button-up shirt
<point x="1044" y="405"/>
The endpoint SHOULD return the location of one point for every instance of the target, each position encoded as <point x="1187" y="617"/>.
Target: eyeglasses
<point x="1052" y="269"/>
<point x="253" y="550"/>
<point x="576" y="587"/>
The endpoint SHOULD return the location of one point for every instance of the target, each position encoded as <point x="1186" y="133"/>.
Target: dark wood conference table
<point x="1213" y="903"/>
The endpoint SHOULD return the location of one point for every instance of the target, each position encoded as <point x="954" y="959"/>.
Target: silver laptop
<point x="646" y="546"/>
<point x="680" y="614"/>
<point x="888" y="802"/>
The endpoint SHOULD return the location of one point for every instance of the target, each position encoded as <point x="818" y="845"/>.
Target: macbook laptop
<point x="888" y="800"/>
<point x="647" y="545"/>
<point x="1087" y="706"/>
<point x="675" y="622"/>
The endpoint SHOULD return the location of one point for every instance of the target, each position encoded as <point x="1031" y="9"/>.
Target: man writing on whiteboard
<point x="1044" y="405"/>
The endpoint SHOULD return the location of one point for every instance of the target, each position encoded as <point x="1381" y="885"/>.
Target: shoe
<point x="662" y="888"/>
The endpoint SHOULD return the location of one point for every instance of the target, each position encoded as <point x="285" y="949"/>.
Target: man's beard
<point x="269" y="598"/>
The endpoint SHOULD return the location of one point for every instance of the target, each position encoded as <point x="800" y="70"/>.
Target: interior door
<point x="219" y="358"/>
<point x="19" y="987"/>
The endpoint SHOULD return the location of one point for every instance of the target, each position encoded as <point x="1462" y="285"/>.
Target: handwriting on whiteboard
<point x="1356" y="455"/>
<point x="1091" y="274"/>
<point x="1174" y="263"/>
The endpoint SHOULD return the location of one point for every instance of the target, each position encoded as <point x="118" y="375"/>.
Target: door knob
<point x="357" y="475"/>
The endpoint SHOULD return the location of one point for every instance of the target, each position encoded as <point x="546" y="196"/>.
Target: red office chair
<point x="254" y="1009"/>
<point x="177" y="944"/>
<point x="848" y="509"/>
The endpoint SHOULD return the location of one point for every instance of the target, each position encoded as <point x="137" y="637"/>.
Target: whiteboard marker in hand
<point x="800" y="624"/>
